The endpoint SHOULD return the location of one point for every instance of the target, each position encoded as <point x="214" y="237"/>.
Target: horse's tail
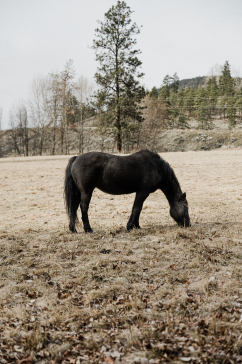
<point x="72" y="195"/>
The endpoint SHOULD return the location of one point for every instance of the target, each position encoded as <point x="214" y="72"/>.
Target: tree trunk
<point x="81" y="136"/>
<point x="15" y="142"/>
<point x="118" y="126"/>
<point x="54" y="139"/>
<point x="118" y="111"/>
<point x="119" y="141"/>
<point x="26" y="141"/>
<point x="62" y="135"/>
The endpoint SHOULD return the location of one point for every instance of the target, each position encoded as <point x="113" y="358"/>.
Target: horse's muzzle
<point x="185" y="223"/>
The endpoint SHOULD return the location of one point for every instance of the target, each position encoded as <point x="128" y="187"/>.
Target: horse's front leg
<point x="85" y="201"/>
<point x="136" y="210"/>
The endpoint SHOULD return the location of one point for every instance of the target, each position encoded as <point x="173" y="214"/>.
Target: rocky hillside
<point x="186" y="140"/>
<point x="166" y="140"/>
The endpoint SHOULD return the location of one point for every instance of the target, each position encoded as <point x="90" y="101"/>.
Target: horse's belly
<point x="116" y="190"/>
<point x="118" y="181"/>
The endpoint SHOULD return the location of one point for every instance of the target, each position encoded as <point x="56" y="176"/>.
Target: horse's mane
<point x="169" y="172"/>
<point x="170" y="181"/>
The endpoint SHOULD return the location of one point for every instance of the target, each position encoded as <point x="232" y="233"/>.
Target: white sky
<point x="184" y="36"/>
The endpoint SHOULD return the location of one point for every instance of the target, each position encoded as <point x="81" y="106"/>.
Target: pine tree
<point x="202" y="111"/>
<point x="238" y="105"/>
<point x="119" y="94"/>
<point x="189" y="97"/>
<point x="226" y="81"/>
<point x="165" y="87"/>
<point x="212" y="93"/>
<point x="164" y="96"/>
<point x="175" y="82"/>
<point x="173" y="108"/>
<point x="231" y="112"/>
<point x="154" y="92"/>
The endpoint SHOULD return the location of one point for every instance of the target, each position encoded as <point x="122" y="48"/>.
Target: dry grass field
<point x="156" y="295"/>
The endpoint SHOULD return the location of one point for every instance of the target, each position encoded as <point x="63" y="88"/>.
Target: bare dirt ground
<point x="156" y="295"/>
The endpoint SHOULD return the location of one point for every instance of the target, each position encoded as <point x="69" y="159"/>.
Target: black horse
<point x="142" y="172"/>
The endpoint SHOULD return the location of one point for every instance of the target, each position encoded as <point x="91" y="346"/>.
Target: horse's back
<point x="115" y="174"/>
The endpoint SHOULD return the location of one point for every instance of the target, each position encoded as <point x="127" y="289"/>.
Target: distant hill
<point x="201" y="81"/>
<point x="193" y="82"/>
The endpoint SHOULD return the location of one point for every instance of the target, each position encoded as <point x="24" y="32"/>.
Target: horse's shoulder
<point x="146" y="153"/>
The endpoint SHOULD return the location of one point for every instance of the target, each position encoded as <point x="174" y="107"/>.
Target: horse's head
<point x="179" y="211"/>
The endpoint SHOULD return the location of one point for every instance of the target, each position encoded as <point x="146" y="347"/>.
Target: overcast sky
<point x="189" y="37"/>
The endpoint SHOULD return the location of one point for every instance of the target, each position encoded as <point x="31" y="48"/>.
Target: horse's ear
<point x="182" y="197"/>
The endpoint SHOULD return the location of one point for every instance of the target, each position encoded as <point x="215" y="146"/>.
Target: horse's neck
<point x="171" y="189"/>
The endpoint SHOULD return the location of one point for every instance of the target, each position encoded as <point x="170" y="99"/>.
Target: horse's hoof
<point x="89" y="230"/>
<point x="131" y="227"/>
<point x="72" y="230"/>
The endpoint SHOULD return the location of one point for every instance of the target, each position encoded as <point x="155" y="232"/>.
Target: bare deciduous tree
<point x="54" y="107"/>
<point x="19" y="129"/>
<point x="58" y="104"/>
<point x="83" y="90"/>
<point x="14" y="133"/>
<point x="155" y="119"/>
<point x="66" y="77"/>
<point x="39" y="111"/>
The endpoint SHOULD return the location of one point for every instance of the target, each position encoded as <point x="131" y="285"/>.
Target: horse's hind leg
<point x="136" y="210"/>
<point x="85" y="201"/>
<point x="73" y="214"/>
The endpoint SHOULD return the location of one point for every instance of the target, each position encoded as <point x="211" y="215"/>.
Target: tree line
<point x="122" y="108"/>
<point x="220" y="97"/>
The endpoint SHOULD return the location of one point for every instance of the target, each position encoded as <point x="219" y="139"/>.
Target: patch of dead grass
<point x="159" y="294"/>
